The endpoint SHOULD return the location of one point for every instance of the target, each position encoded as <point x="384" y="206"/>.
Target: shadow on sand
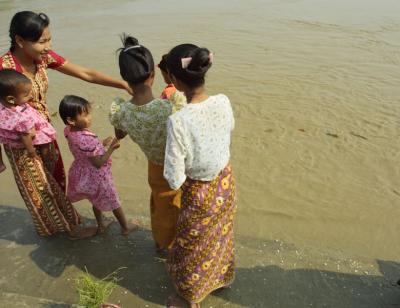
<point x="272" y="286"/>
<point x="144" y="274"/>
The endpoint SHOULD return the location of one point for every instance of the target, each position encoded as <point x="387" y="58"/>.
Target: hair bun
<point x="129" y="41"/>
<point x="201" y="61"/>
<point x="189" y="63"/>
<point x="135" y="61"/>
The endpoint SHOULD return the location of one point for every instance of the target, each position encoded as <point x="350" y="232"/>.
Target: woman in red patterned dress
<point x="30" y="54"/>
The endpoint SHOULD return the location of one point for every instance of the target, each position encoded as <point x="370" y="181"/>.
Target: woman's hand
<point x="128" y="88"/>
<point x="119" y="134"/>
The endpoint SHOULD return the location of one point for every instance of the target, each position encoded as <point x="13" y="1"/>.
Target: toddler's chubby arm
<point x="26" y="139"/>
<point x="107" y="141"/>
<point x="99" y="161"/>
<point x="2" y="166"/>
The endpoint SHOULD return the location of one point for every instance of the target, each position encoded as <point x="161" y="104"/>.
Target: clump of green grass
<point x="94" y="292"/>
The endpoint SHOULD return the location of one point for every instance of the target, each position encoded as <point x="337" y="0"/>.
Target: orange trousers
<point x="164" y="207"/>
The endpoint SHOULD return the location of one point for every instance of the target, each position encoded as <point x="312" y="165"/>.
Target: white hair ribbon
<point x="131" y="47"/>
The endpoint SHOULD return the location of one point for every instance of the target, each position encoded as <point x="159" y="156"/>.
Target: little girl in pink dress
<point x="23" y="133"/>
<point x="89" y="176"/>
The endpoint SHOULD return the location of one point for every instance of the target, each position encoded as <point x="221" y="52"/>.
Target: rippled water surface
<point x="315" y="89"/>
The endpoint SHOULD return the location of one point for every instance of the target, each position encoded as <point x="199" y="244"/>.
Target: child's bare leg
<point x="2" y="166"/>
<point x="102" y="223"/>
<point x="127" y="227"/>
<point x="44" y="150"/>
<point x="47" y="153"/>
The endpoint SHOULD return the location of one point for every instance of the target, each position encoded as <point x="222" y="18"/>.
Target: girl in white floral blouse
<point x="197" y="156"/>
<point x="144" y="119"/>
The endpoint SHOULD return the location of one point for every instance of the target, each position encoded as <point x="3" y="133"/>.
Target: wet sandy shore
<point x="37" y="272"/>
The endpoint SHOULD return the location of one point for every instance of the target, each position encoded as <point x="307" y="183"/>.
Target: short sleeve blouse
<point x="198" y="141"/>
<point x="40" y="80"/>
<point x="90" y="145"/>
<point x="146" y="125"/>
<point x="84" y="143"/>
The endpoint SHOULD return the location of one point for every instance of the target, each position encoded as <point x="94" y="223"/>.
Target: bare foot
<point x="82" y="219"/>
<point x="228" y="286"/>
<point x="2" y="168"/>
<point x="162" y="253"/>
<point x="132" y="226"/>
<point x="106" y="223"/>
<point x="174" y="301"/>
<point x="108" y="305"/>
<point x="81" y="233"/>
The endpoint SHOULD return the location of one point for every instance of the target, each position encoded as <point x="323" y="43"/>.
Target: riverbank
<point x="37" y="272"/>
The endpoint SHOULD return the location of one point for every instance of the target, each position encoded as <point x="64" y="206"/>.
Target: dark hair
<point x="136" y="63"/>
<point x="28" y="25"/>
<point x="71" y="106"/>
<point x="9" y="81"/>
<point x="163" y="63"/>
<point x="193" y="75"/>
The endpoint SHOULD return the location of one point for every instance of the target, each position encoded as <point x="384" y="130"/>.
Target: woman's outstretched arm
<point x="93" y="76"/>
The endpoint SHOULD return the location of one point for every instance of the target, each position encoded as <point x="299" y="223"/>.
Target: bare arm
<point x="107" y="142"/>
<point x="1" y="158"/>
<point x="27" y="141"/>
<point x="99" y="161"/>
<point x="93" y="76"/>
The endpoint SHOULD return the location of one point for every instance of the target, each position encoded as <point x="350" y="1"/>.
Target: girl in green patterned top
<point x="144" y="119"/>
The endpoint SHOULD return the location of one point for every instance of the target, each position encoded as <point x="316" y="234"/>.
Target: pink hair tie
<point x="211" y="57"/>
<point x="186" y="62"/>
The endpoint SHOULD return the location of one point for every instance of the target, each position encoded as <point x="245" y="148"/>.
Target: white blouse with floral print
<point x="198" y="140"/>
<point x="146" y="125"/>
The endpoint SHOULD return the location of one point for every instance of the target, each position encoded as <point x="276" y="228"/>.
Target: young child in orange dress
<point x="170" y="88"/>
<point x="177" y="98"/>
